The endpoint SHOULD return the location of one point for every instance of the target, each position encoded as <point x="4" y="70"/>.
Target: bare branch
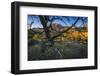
<point x="56" y="18"/>
<point x="66" y="29"/>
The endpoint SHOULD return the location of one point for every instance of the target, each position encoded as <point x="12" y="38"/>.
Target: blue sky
<point x="67" y="20"/>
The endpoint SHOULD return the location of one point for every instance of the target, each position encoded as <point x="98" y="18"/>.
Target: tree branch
<point x="44" y="24"/>
<point x="66" y="29"/>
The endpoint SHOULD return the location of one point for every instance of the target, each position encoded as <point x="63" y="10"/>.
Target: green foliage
<point x="71" y="44"/>
<point x="67" y="49"/>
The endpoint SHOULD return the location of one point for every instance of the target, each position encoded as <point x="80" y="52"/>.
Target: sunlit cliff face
<point x="56" y="27"/>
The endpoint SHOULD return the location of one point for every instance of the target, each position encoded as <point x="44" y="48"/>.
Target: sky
<point x="67" y="20"/>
